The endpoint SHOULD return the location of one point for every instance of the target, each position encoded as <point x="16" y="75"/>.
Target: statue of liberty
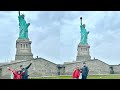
<point x="23" y="26"/>
<point x="84" y="33"/>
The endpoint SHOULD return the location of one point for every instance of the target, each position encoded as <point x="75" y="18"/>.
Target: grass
<point x="89" y="77"/>
<point x="54" y="77"/>
<point x="104" y="77"/>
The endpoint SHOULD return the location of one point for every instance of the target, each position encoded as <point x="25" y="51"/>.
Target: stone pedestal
<point x="23" y="50"/>
<point x="83" y="53"/>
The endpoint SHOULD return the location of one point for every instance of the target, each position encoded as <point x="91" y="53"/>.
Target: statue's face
<point x="22" y="16"/>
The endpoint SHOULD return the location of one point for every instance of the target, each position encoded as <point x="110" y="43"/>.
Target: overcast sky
<point x="55" y="35"/>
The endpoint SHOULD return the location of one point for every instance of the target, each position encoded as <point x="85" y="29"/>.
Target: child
<point x="80" y="77"/>
<point x="12" y="75"/>
<point x="76" y="73"/>
<point x="17" y="74"/>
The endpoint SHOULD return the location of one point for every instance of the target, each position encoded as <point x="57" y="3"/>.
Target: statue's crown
<point x="22" y="15"/>
<point x="83" y="24"/>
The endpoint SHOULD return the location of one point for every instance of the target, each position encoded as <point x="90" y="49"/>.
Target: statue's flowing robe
<point x="23" y="26"/>
<point x="84" y="34"/>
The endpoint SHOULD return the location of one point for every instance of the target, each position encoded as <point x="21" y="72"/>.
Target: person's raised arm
<point x="11" y="70"/>
<point x="28" y="66"/>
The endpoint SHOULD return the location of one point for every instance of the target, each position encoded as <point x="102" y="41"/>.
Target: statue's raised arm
<point x="19" y="13"/>
<point x="81" y="21"/>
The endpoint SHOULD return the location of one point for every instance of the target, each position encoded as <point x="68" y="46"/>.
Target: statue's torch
<point x="81" y="20"/>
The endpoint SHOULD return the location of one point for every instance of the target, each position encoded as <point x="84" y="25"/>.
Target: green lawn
<point x="89" y="77"/>
<point x="104" y="77"/>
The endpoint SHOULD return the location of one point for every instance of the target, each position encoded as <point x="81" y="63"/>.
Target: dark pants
<point x="84" y="76"/>
<point x="25" y="77"/>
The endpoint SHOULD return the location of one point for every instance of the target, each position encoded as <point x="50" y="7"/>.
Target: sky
<point x="55" y="35"/>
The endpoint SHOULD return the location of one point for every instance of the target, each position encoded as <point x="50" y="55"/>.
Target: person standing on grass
<point x="76" y="73"/>
<point x="80" y="77"/>
<point x="85" y="71"/>
<point x="16" y="73"/>
<point x="25" y="75"/>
